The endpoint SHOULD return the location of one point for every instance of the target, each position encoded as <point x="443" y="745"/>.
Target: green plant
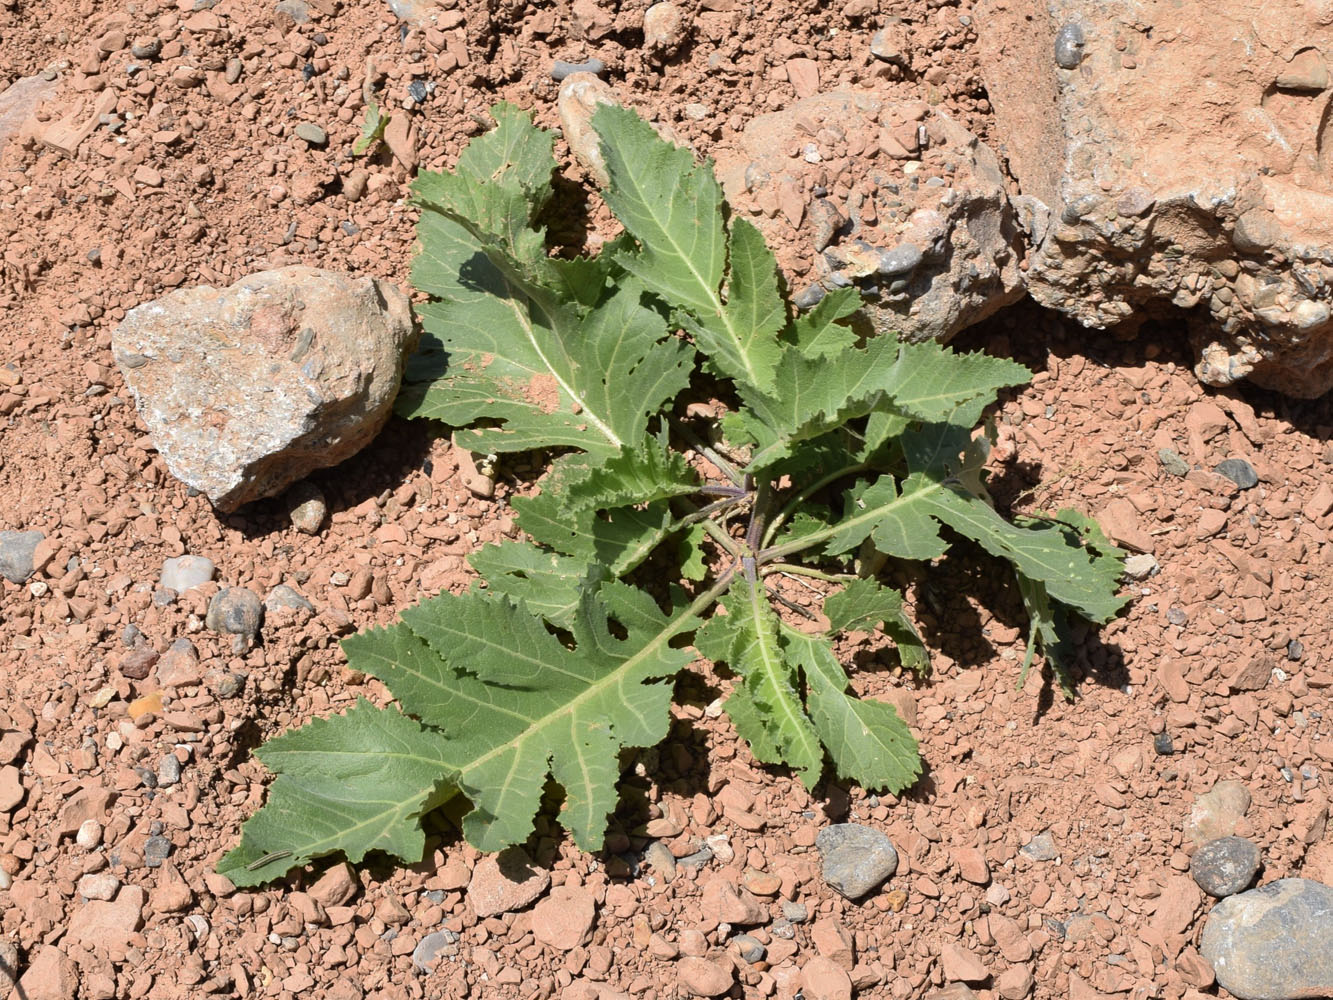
<point x="372" y="129"/>
<point x="556" y="661"/>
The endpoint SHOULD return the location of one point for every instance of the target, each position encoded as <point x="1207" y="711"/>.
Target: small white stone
<point x="89" y="835"/>
<point x="1309" y="314"/>
<point x="38" y="588"/>
<point x="1140" y="566"/>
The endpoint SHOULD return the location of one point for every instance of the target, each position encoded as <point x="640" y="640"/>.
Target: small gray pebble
<point x="1173" y="463"/>
<point x="418" y="91"/>
<point x="235" y="610"/>
<point x="808" y="297"/>
<point x="285" y="596"/>
<point x="146" y="777"/>
<point x="147" y="49"/>
<point x="696" y="860"/>
<point x="434" y="895"/>
<point x="561" y="69"/>
<point x="131" y="635"/>
<point x="1295" y="650"/>
<point x="17" y="549"/>
<point x="856" y="859"/>
<point x="902" y="259"/>
<point x="1177" y="616"/>
<point x="306" y="507"/>
<point x="782" y="928"/>
<point x="297" y="10"/>
<point x="1161" y="743"/>
<point x="1225" y="866"/>
<point x="225" y="684"/>
<point x="234" y="69"/>
<point x="795" y="912"/>
<point x="185" y="573"/>
<point x="751" y="949"/>
<point x="429" y="950"/>
<point x="1069" y="43"/>
<point x="1239" y="472"/>
<point x="1041" y="848"/>
<point x="168" y="771"/>
<point x="163" y="598"/>
<point x="156" y="850"/>
<point x="312" y="134"/>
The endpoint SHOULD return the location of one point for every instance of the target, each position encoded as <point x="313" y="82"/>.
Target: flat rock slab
<point x="247" y="389"/>
<point x="506" y="881"/>
<point x="1272" y="943"/>
<point x="18" y="102"/>
<point x="857" y="859"/>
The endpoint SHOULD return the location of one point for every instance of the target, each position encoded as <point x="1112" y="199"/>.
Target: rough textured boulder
<point x="1271" y="943"/>
<point x="926" y="229"/>
<point x="245" y="390"/>
<point x="1172" y="154"/>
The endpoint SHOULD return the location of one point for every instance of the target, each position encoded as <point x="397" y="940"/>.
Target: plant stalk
<point x="803" y="495"/>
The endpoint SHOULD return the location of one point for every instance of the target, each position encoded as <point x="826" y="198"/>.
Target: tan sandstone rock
<point x="1170" y="156"/>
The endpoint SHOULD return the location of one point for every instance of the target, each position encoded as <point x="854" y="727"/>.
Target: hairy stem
<point x="697" y="443"/>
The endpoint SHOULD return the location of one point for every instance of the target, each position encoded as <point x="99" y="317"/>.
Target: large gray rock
<point x="18" y="549"/>
<point x="943" y="249"/>
<point x="1272" y="943"/>
<point x="246" y="390"/>
<point x="856" y="859"/>
<point x="1172" y="155"/>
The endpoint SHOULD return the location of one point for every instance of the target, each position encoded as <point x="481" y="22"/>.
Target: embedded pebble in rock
<point x="701" y="977"/>
<point x="901" y="260"/>
<point x="1215" y="813"/>
<point x="579" y="96"/>
<point x="236" y="611"/>
<point x="312" y="134"/>
<point x="1225" y="866"/>
<point x="1041" y="848"/>
<point x="302" y="374"/>
<point x="856" y="859"/>
<point x="504" y="882"/>
<point x="824" y="979"/>
<point x="664" y="28"/>
<point x="564" y="919"/>
<point x="1239" y="472"/>
<point x="183" y="573"/>
<point x="306" y="507"/>
<point x="1140" y="566"/>
<point x="1272" y="943"/>
<point x="561" y="69"/>
<point x="17" y="549"/>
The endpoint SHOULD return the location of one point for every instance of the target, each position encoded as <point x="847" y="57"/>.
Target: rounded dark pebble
<point x="1295" y="650"/>
<point x="902" y="259"/>
<point x="1239" y="472"/>
<point x="236" y="610"/>
<point x="138" y="662"/>
<point x="561" y="69"/>
<point x="1163" y="745"/>
<point x="418" y="91"/>
<point x="146" y="777"/>
<point x="1225" y="866"/>
<point x="808" y="298"/>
